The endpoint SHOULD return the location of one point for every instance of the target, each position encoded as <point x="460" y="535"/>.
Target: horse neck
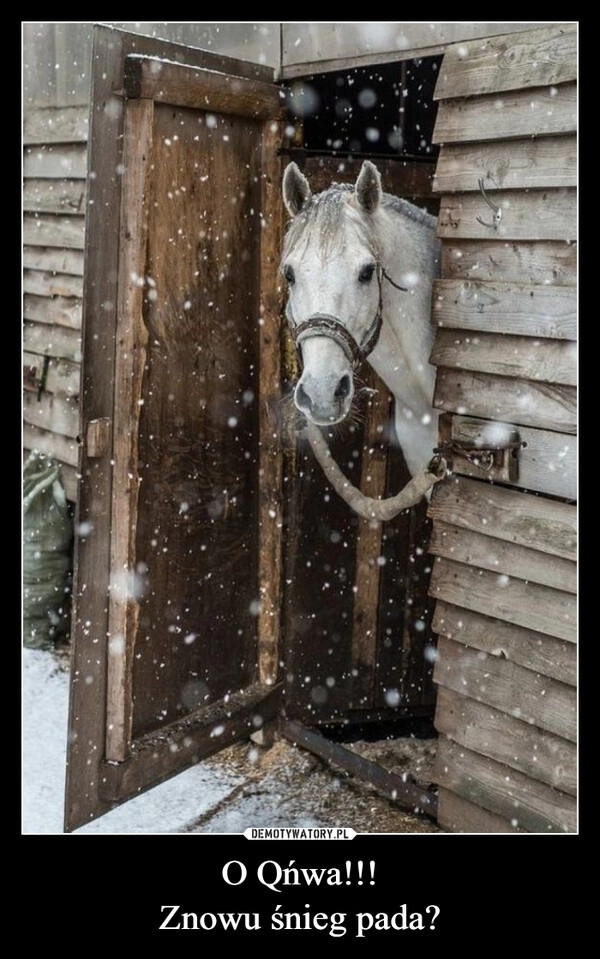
<point x="402" y="354"/>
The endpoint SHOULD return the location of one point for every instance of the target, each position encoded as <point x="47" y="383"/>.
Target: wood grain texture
<point x="131" y="357"/>
<point x="270" y="517"/>
<point x="59" y="414"/>
<point x="510" y="62"/>
<point x="538" y="111"/>
<point x="527" y="804"/>
<point x="543" y="405"/>
<point x="63" y="378"/>
<point x="547" y="464"/>
<point x="517" y="357"/>
<point x="368" y="549"/>
<point x="53" y="258"/>
<point x="54" y="196"/>
<point x="185" y="86"/>
<point x="42" y="125"/>
<point x="55" y="311"/>
<point x="536" y="523"/>
<point x="60" y="447"/>
<point x="520" y="309"/>
<point x="532" y="163"/>
<point x="508" y="687"/>
<point x="48" y="230"/>
<point x="477" y="549"/>
<point x="486" y="259"/>
<point x="87" y="716"/>
<point x="540" y="608"/>
<point x="44" y="283"/>
<point x="536" y="215"/>
<point x="545" y="655"/>
<point x="541" y="755"/>
<point x="68" y="161"/>
<point x="156" y="757"/>
<point x="456" y="814"/>
<point x="317" y="47"/>
<point x="55" y="341"/>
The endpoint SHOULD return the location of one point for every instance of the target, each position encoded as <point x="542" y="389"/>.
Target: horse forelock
<point x="324" y="221"/>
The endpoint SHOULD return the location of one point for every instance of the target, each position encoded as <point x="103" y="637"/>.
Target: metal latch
<point x="492" y="453"/>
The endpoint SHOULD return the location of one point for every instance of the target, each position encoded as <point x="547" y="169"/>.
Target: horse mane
<point x="324" y="212"/>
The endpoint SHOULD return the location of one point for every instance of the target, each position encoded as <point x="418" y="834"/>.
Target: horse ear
<point x="296" y="189"/>
<point x="368" y="186"/>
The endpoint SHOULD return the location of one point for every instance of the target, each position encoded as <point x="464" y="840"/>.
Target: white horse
<point x="360" y="266"/>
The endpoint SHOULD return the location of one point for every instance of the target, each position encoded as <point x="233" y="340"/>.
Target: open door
<point x="177" y="565"/>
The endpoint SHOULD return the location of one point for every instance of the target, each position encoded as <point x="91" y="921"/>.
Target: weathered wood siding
<point x="504" y="574"/>
<point x="54" y="202"/>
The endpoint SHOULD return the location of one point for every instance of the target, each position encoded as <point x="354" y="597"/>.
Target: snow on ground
<point x="240" y="787"/>
<point x="166" y="808"/>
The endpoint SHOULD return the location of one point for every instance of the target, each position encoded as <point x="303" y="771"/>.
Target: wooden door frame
<point x="94" y="785"/>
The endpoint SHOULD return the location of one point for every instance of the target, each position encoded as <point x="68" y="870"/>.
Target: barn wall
<point x="54" y="202"/>
<point x="317" y="47"/>
<point x="56" y="91"/>
<point x="504" y="575"/>
<point x="56" y="56"/>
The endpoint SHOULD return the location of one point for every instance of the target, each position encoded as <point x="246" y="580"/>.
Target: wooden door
<point x="176" y="620"/>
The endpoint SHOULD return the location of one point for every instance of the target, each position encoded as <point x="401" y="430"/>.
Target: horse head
<point x="332" y="264"/>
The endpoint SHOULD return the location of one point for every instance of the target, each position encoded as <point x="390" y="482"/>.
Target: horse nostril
<point x="343" y="388"/>
<point x="303" y="401"/>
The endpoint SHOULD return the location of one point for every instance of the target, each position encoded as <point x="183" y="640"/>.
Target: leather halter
<point x="324" y="324"/>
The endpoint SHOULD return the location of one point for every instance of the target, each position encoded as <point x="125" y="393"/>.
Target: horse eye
<point x="366" y="273"/>
<point x="289" y="274"/>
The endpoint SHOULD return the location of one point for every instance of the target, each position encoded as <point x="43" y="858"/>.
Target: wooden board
<point x="58" y="310"/>
<point x="548" y="611"/>
<point x="510" y="62"/>
<point x="488" y="259"/>
<point x="506" y="514"/>
<point x="534" y="163"/>
<point x="548" y="463"/>
<point x="47" y="230"/>
<point x="53" y="258"/>
<point x="63" y="378"/>
<point x="544" y="405"/>
<point x="517" y="357"/>
<point x="456" y="814"/>
<point x="60" y="447"/>
<point x="52" y="341"/>
<point x="52" y="284"/>
<point x="520" y="309"/>
<point x="270" y="508"/>
<point x="54" y="196"/>
<point x="317" y="47"/>
<point x="508" y="687"/>
<point x="55" y="125"/>
<point x="168" y="82"/>
<point x="56" y="162"/>
<point x="411" y="180"/>
<point x="477" y="549"/>
<point x="545" y="655"/>
<point x="537" y="215"/>
<point x="539" y="111"/>
<point x="58" y="414"/>
<point x="520" y="745"/>
<point x="526" y="803"/>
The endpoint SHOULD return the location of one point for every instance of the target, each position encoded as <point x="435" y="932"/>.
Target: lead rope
<point x="367" y="507"/>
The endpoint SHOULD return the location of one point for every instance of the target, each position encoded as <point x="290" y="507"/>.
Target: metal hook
<point x="496" y="209"/>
